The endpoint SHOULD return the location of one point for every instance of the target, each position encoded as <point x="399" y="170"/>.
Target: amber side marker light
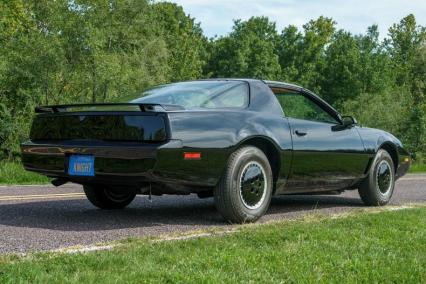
<point x="192" y="155"/>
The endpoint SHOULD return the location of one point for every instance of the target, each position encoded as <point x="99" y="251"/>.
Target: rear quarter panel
<point x="216" y="134"/>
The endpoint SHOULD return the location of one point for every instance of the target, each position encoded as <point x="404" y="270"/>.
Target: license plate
<point x="81" y="165"/>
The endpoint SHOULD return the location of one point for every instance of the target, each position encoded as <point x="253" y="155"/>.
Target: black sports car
<point x="238" y="140"/>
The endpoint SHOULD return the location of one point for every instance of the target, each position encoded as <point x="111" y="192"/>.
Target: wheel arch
<point x="393" y="152"/>
<point x="269" y="148"/>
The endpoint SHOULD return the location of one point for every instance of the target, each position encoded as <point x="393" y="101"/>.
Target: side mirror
<point x="347" y="122"/>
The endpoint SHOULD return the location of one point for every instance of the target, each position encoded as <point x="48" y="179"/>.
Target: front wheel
<point x="377" y="188"/>
<point x="245" y="190"/>
<point x="108" y="197"/>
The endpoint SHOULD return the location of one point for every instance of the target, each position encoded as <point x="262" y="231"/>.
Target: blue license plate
<point x="81" y="165"/>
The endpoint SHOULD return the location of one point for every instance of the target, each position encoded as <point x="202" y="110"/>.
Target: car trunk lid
<point x="105" y="122"/>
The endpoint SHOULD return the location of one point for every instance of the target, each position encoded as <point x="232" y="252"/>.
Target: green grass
<point x="385" y="247"/>
<point x="418" y="168"/>
<point x="14" y="173"/>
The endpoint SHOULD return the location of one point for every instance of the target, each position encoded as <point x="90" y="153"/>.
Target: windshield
<point x="199" y="94"/>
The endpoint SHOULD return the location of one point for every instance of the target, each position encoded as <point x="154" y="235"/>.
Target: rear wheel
<point x="245" y="190"/>
<point x="377" y="188"/>
<point x="108" y="197"/>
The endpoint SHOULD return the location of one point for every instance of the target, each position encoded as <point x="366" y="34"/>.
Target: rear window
<point x="99" y="127"/>
<point x="199" y="94"/>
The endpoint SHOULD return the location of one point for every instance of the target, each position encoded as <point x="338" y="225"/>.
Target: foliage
<point x="97" y="50"/>
<point x="14" y="173"/>
<point x="418" y="168"/>
<point x="88" y="51"/>
<point x="247" y="52"/>
<point x="381" y="109"/>
<point x="184" y="39"/>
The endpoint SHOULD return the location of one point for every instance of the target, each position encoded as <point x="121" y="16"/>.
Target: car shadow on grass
<point x="163" y="214"/>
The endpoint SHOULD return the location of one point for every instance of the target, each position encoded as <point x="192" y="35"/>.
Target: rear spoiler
<point x="109" y="106"/>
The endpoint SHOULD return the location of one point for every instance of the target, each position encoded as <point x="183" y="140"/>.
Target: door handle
<point x="299" y="132"/>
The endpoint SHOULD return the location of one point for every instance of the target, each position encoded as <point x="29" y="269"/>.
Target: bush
<point x="14" y="173"/>
<point x="388" y="110"/>
<point x="6" y="127"/>
<point x="13" y="130"/>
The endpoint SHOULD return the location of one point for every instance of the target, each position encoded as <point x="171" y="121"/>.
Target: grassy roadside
<point x="387" y="247"/>
<point x="418" y="168"/>
<point x="419" y="165"/>
<point x="14" y="173"/>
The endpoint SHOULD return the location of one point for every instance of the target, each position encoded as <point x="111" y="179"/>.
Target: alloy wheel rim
<point x="253" y="185"/>
<point x="384" y="177"/>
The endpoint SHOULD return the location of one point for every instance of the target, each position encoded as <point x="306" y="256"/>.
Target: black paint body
<point x="322" y="160"/>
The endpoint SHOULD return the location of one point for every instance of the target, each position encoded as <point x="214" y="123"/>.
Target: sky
<point x="216" y="16"/>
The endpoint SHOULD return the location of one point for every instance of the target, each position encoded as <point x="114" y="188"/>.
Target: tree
<point x="289" y="53"/>
<point x="15" y="19"/>
<point x="123" y="53"/>
<point x="249" y="51"/>
<point x="342" y="70"/>
<point x="386" y="110"/>
<point x="108" y="50"/>
<point x="302" y="55"/>
<point x="405" y="44"/>
<point x="184" y="39"/>
<point x="317" y="35"/>
<point x="376" y="74"/>
<point x="419" y="91"/>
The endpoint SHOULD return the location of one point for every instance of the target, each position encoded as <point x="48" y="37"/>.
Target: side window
<point x="296" y="105"/>
<point x="236" y="97"/>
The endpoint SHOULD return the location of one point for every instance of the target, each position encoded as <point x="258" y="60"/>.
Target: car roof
<point x="261" y="97"/>
<point x="268" y="82"/>
<point x="264" y="101"/>
<point x="283" y="85"/>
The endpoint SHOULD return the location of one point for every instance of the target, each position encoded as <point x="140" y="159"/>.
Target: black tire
<point x="245" y="189"/>
<point x="377" y="188"/>
<point x="108" y="198"/>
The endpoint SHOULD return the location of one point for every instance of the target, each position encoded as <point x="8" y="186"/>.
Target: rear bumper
<point x="121" y="163"/>
<point x="135" y="164"/>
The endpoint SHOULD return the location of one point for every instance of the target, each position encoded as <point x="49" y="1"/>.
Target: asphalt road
<point x="35" y="218"/>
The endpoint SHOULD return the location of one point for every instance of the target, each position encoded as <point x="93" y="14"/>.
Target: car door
<point x="324" y="157"/>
